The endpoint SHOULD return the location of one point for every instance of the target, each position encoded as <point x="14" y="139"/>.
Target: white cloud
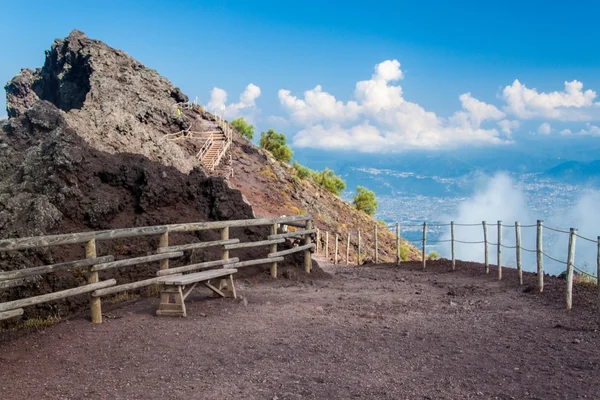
<point x="571" y="104"/>
<point x="508" y="126"/>
<point x="380" y="119"/>
<point x="566" y="132"/>
<point x="590" y="130"/>
<point x="544" y="129"/>
<point x="247" y="103"/>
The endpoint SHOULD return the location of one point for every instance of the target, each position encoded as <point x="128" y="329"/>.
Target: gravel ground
<point x="376" y="332"/>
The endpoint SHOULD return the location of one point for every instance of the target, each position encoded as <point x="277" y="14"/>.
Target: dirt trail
<point x="366" y="332"/>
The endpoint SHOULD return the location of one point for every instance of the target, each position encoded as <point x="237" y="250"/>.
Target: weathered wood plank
<point x="13" y="283"/>
<point x="292" y="234"/>
<point x="127" y="286"/>
<point x="199" y="245"/>
<point x="44" y="269"/>
<point x="73" y="238"/>
<point x="253" y="244"/>
<point x="259" y="261"/>
<point x="44" y="298"/>
<point x="194" y="267"/>
<point x="292" y="250"/>
<point x="198" y="226"/>
<point x="135" y="261"/>
<point x="197" y="277"/>
<point x="11" y="314"/>
<point x="296" y="224"/>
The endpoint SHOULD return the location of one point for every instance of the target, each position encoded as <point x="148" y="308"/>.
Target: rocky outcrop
<point x="115" y="103"/>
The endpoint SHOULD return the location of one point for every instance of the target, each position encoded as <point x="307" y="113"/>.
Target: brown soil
<point x="380" y="332"/>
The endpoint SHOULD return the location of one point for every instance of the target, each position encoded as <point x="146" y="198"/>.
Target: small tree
<point x="365" y="200"/>
<point x="302" y="171"/>
<point x="328" y="180"/>
<point x="244" y="128"/>
<point x="275" y="143"/>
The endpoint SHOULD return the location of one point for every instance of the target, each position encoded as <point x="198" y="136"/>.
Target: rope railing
<point x="498" y="228"/>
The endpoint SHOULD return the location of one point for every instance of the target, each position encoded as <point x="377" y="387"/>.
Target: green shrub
<point x="434" y="255"/>
<point x="365" y="200"/>
<point x="301" y="171"/>
<point x="275" y="143"/>
<point x="404" y="252"/>
<point x="244" y="128"/>
<point x="329" y="181"/>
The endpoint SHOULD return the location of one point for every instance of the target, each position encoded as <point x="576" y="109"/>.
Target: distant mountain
<point x="575" y="172"/>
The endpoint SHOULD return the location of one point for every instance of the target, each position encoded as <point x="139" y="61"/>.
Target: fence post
<point x="598" y="271"/>
<point x="335" y="257"/>
<point x="518" y="250"/>
<point x="452" y="245"/>
<point x="93" y="277"/>
<point x="540" y="257"/>
<point x="570" y="266"/>
<point x="486" y="249"/>
<point x="273" y="250"/>
<point x="164" y="242"/>
<point x="318" y="241"/>
<point x="376" y="245"/>
<point x="499" y="250"/>
<point x="327" y="244"/>
<point x="398" y="243"/>
<point x="358" y="254"/>
<point x="307" y="256"/>
<point x="424" y="255"/>
<point x="348" y="250"/>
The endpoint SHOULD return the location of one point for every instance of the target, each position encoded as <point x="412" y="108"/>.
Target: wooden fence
<point x="95" y="263"/>
<point x="518" y="248"/>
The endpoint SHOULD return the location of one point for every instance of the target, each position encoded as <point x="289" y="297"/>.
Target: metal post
<point x="518" y="250"/>
<point x="486" y="248"/>
<point x="499" y="250"/>
<point x="424" y="255"/>
<point x="540" y="257"/>
<point x="570" y="267"/>
<point x="452" y="245"/>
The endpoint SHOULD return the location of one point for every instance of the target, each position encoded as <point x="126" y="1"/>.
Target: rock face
<point x="112" y="101"/>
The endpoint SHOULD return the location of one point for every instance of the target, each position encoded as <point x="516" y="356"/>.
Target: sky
<point x="346" y="76"/>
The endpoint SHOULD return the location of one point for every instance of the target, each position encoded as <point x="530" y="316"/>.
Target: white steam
<point x="501" y="198"/>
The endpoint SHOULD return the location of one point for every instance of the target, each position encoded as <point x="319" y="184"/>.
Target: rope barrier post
<point x="598" y="271"/>
<point x="398" y="243"/>
<point x="452" y="245"/>
<point x="570" y="266"/>
<point x="499" y="250"/>
<point x="348" y="249"/>
<point x="486" y="249"/>
<point x="358" y="254"/>
<point x="518" y="250"/>
<point x="424" y="245"/>
<point x="335" y="257"/>
<point x="327" y="244"/>
<point x="376" y="244"/>
<point x="540" y="257"/>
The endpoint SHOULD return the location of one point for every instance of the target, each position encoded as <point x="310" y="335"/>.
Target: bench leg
<point x="171" y="302"/>
<point x="225" y="288"/>
<point x="222" y="286"/>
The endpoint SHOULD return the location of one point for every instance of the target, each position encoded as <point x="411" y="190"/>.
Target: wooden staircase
<point x="215" y="144"/>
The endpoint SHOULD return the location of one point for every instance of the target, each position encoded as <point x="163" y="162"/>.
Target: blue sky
<point x="429" y="54"/>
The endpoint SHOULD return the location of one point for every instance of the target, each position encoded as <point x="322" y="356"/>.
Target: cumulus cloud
<point x="544" y="129"/>
<point x="566" y="132"/>
<point x="380" y="119"/>
<point x="571" y="104"/>
<point x="590" y="130"/>
<point x="508" y="126"/>
<point x="246" y="104"/>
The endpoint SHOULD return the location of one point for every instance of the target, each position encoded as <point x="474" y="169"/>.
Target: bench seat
<point x="198" y="277"/>
<point x="175" y="289"/>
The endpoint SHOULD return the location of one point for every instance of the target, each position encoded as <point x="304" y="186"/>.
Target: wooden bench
<point x="175" y="289"/>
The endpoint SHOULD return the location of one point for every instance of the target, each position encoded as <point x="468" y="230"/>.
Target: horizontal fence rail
<point x="94" y="264"/>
